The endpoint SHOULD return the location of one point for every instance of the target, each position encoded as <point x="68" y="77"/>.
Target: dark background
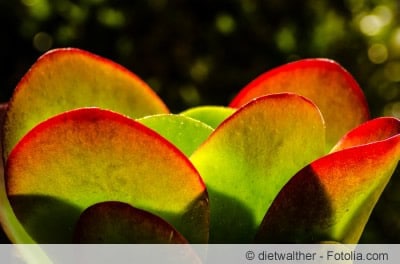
<point x="203" y="52"/>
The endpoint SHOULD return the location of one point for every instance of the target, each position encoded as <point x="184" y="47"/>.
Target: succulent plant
<point x="92" y="155"/>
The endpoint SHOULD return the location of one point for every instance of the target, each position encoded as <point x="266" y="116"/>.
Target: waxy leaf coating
<point x="89" y="155"/>
<point x="323" y="81"/>
<point x="251" y="155"/>
<point x="121" y="223"/>
<point x="184" y="132"/>
<point x="332" y="198"/>
<point x="66" y="79"/>
<point x="374" y="130"/>
<point x="10" y="224"/>
<point x="210" y="115"/>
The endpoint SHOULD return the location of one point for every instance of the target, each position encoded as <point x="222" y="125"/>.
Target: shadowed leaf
<point x="120" y="223"/>
<point x="251" y="155"/>
<point x="89" y="155"/>
<point x="332" y="198"/>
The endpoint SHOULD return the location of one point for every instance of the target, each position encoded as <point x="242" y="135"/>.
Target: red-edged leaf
<point x="68" y="78"/>
<point x="251" y="155"/>
<point x="120" y="223"/>
<point x="89" y="155"/>
<point x="332" y="198"/>
<point x="323" y="81"/>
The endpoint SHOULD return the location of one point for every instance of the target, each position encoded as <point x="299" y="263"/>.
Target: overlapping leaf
<point x="251" y="155"/>
<point x="87" y="156"/>
<point x="66" y="79"/>
<point x="323" y="81"/>
<point x="120" y="223"/>
<point x="210" y="115"/>
<point x="184" y="132"/>
<point x="332" y="198"/>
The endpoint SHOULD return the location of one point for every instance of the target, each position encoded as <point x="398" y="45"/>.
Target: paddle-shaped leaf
<point x="332" y="198"/>
<point x="374" y="130"/>
<point x="66" y="79"/>
<point x="87" y="156"/>
<point x="184" y="132"/>
<point x="210" y="115"/>
<point x="251" y="155"/>
<point x="323" y="81"/>
<point x="120" y="223"/>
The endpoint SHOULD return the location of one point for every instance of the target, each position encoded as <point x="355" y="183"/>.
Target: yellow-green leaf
<point x="332" y="198"/>
<point x="210" y="115"/>
<point x="184" y="132"/>
<point x="66" y="79"/>
<point x="325" y="82"/>
<point x="251" y="155"/>
<point x="86" y="156"/>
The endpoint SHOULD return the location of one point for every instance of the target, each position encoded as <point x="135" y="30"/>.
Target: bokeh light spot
<point x="371" y="25"/>
<point x="42" y="41"/>
<point x="111" y="17"/>
<point x="200" y="69"/>
<point x="392" y="109"/>
<point x="392" y="71"/>
<point x="189" y="95"/>
<point x="225" y="23"/>
<point x="377" y="53"/>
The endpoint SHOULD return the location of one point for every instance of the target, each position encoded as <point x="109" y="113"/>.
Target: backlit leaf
<point x="66" y="79"/>
<point x="87" y="156"/>
<point x="251" y="155"/>
<point x="210" y="115"/>
<point x="184" y="132"/>
<point x="323" y="81"/>
<point x="332" y="198"/>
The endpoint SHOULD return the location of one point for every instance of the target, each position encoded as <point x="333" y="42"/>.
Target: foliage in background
<point x="203" y="52"/>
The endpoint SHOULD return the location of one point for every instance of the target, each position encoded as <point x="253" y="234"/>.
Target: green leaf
<point x="86" y="156"/>
<point x="10" y="224"/>
<point x="121" y="223"/>
<point x="66" y="79"/>
<point x="184" y="132"/>
<point x="210" y="115"/>
<point x="251" y="155"/>
<point x="332" y="198"/>
<point x="325" y="82"/>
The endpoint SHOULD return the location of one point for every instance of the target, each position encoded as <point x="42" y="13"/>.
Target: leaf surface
<point x="325" y="82"/>
<point x="121" y="223"/>
<point x="68" y="78"/>
<point x="210" y="115"/>
<point x="332" y="198"/>
<point x="251" y="155"/>
<point x="90" y="155"/>
<point x="184" y="132"/>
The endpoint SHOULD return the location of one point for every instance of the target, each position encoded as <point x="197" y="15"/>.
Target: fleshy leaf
<point x="89" y="155"/>
<point x="184" y="132"/>
<point x="210" y="115"/>
<point x="121" y="223"/>
<point x="325" y="82"/>
<point x="374" y="130"/>
<point x="10" y="224"/>
<point x="251" y="155"/>
<point x="332" y="198"/>
<point x="66" y="79"/>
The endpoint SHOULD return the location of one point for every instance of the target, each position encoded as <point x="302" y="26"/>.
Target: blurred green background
<point x="202" y="52"/>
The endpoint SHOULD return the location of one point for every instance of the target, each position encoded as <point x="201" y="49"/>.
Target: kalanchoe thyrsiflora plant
<point x="92" y="155"/>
